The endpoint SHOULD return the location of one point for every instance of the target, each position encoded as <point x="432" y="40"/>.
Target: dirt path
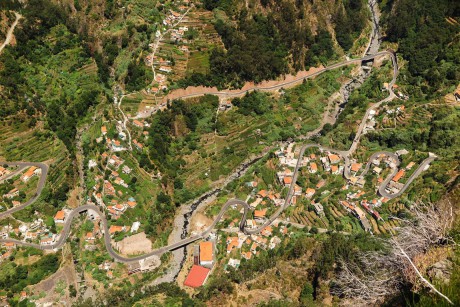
<point x="9" y="35"/>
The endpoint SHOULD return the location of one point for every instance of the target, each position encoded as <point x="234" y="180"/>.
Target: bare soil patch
<point x="136" y="244"/>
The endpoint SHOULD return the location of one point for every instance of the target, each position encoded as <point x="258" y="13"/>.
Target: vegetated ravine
<point x="190" y="208"/>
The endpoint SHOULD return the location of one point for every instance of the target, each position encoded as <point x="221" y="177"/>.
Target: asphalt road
<point x="41" y="184"/>
<point x="233" y="202"/>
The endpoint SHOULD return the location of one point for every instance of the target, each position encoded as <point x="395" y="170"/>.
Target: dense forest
<point x="264" y="46"/>
<point x="427" y="40"/>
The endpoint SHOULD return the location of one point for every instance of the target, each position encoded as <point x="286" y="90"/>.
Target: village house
<point x="377" y="170"/>
<point x="165" y="69"/>
<point x="318" y="208"/>
<point x="206" y="254"/>
<point x="3" y="171"/>
<point x="138" y="123"/>
<point x="297" y="190"/>
<point x="355" y="167"/>
<point x="274" y="242"/>
<point x="335" y="170"/>
<point x="104" y="130"/>
<point x="59" y="218"/>
<point x="135" y="227"/>
<point x="398" y="175"/>
<point x="114" y="229"/>
<point x="410" y="165"/>
<point x="131" y="202"/>
<point x="235" y="263"/>
<point x="313" y="168"/>
<point x="11" y="194"/>
<point x="334" y="159"/>
<point x="320" y="184"/>
<point x="138" y="145"/>
<point x="310" y="192"/>
<point x="246" y="255"/>
<point x="260" y="214"/>
<point x="32" y="171"/>
<point x="116" y="145"/>
<point x="232" y="242"/>
<point x="48" y="240"/>
<point x="126" y="170"/>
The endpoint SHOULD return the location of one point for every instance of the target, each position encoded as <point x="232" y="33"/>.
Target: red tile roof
<point x="197" y="276"/>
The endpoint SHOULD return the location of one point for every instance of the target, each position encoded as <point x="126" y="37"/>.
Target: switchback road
<point x="233" y="202"/>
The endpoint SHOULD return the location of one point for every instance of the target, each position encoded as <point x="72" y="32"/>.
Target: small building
<point x="59" y="218"/>
<point x="398" y="175"/>
<point x="206" y="254"/>
<point x="235" y="263"/>
<point x="138" y="123"/>
<point x="260" y="214"/>
<point x="197" y="276"/>
<point x="410" y="165"/>
<point x="32" y="171"/>
<point x="165" y="69"/>
<point x="334" y="159"/>
<point x="310" y="192"/>
<point x="335" y="170"/>
<point x="104" y="130"/>
<point x="355" y="167"/>
<point x="318" y="208"/>
<point x="313" y="168"/>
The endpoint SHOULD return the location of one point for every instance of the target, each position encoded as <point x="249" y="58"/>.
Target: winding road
<point x="63" y="236"/>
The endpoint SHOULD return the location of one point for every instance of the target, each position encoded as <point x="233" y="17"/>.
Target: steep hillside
<point x="264" y="39"/>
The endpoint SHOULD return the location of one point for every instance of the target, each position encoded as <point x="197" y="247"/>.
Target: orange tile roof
<point x="260" y="213"/>
<point x="30" y="172"/>
<point x="263" y="193"/>
<point x="60" y="215"/>
<point x="137" y="123"/>
<point x="287" y="180"/>
<point x="355" y="167"/>
<point x="206" y="251"/>
<point x="398" y="175"/>
<point x="334" y="168"/>
<point x="313" y="166"/>
<point x="334" y="158"/>
<point x="113" y="229"/>
<point x="310" y="191"/>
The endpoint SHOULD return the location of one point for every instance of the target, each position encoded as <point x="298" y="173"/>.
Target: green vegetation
<point x="16" y="277"/>
<point x="349" y="22"/>
<point x="263" y="46"/>
<point x="427" y="41"/>
<point x="44" y="68"/>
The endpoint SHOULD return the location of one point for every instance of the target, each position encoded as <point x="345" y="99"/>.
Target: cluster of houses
<point x="113" y="144"/>
<point x="249" y="245"/>
<point x="395" y="185"/>
<point x="13" y="194"/>
<point x="35" y="231"/>
<point x="140" y="124"/>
